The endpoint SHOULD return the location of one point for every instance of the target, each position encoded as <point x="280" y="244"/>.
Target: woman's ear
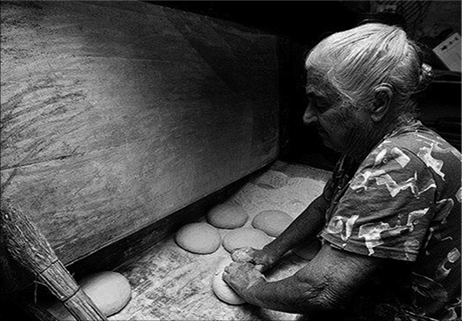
<point x="383" y="95"/>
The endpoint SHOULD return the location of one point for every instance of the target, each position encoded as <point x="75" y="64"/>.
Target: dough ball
<point x="272" y="222"/>
<point x="227" y="215"/>
<point x="245" y="236"/>
<point x="221" y="289"/>
<point x="110" y="291"/>
<point x="307" y="250"/>
<point x="199" y="238"/>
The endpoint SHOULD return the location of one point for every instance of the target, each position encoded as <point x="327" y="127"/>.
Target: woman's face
<point x="341" y="127"/>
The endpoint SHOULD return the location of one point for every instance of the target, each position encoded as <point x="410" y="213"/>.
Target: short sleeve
<point x="387" y="208"/>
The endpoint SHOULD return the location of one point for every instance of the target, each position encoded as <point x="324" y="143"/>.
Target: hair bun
<point x="425" y="76"/>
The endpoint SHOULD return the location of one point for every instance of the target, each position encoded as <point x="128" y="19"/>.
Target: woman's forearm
<point x="306" y="225"/>
<point x="322" y="287"/>
<point x="287" y="295"/>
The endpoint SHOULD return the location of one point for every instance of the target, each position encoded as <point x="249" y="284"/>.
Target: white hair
<point x="357" y="60"/>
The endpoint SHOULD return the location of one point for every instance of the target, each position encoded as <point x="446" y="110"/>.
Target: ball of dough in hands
<point x="221" y="289"/>
<point x="227" y="215"/>
<point x="199" y="238"/>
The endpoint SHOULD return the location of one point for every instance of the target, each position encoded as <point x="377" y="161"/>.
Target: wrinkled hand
<point x="242" y="276"/>
<point x="262" y="259"/>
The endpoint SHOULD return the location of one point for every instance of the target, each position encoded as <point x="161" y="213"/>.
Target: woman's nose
<point x="309" y="117"/>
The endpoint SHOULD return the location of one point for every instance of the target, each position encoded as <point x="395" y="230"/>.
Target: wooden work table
<point x="169" y="283"/>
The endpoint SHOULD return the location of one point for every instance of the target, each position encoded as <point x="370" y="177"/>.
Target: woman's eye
<point x="317" y="103"/>
<point x="321" y="106"/>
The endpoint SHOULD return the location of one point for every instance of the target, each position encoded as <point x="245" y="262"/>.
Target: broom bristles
<point x="28" y="246"/>
<point x="25" y="242"/>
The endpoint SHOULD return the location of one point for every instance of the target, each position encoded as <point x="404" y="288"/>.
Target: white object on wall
<point x="449" y="52"/>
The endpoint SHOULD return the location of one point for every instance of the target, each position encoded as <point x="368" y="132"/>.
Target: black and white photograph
<point x="230" y="160"/>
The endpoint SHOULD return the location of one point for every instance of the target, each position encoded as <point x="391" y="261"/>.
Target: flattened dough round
<point x="110" y="291"/>
<point x="199" y="238"/>
<point x="227" y="215"/>
<point x="221" y="289"/>
<point x="272" y="222"/>
<point x="245" y="236"/>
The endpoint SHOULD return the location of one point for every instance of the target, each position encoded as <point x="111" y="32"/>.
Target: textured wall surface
<point x="116" y="114"/>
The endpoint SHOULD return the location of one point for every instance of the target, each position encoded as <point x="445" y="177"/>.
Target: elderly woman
<point x="389" y="217"/>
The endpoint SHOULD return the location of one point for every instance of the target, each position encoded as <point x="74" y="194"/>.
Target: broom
<point x="28" y="246"/>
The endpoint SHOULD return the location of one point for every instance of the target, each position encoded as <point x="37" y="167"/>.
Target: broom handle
<point x="28" y="246"/>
